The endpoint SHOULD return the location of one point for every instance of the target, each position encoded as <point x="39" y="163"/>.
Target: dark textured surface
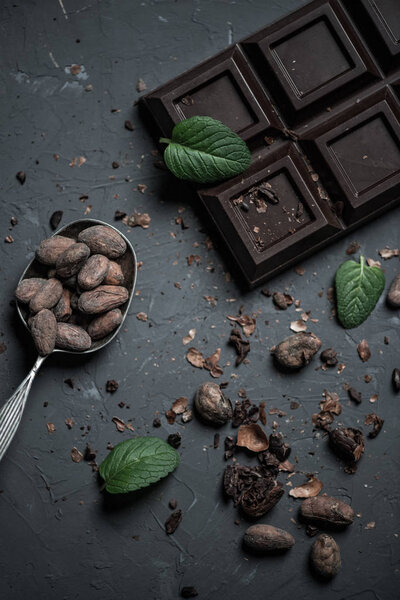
<point x="61" y="538"/>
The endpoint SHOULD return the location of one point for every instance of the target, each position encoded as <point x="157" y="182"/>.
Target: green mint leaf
<point x="136" y="463"/>
<point x="204" y="150"/>
<point x="358" y="288"/>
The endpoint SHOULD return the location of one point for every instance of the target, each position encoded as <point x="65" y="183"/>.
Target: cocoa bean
<point x="297" y="350"/>
<point x="114" y="275"/>
<point x="72" y="337"/>
<point x="102" y="299"/>
<point x="348" y="443"/>
<point x="47" y="296"/>
<point x="72" y="260"/>
<point x="62" y="310"/>
<point x="105" y="324"/>
<point x="325" y="556"/>
<point x="49" y="250"/>
<point x="93" y="272"/>
<point x="266" y="538"/>
<point x="28" y="288"/>
<point x="211" y="404"/>
<point x="393" y="297"/>
<point x="103" y="240"/>
<point x="43" y="330"/>
<point x="325" y="510"/>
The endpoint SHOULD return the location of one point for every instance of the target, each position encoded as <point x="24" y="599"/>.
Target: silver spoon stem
<point x="11" y="412"/>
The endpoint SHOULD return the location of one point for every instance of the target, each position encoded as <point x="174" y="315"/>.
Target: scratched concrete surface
<point x="62" y="538"/>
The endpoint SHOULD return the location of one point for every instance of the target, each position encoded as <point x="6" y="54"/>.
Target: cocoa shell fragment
<point x="325" y="556"/>
<point x="50" y="249"/>
<point x="325" y="510"/>
<point x="43" y="330"/>
<point x="28" y="288"/>
<point x="211" y="404"/>
<point x="297" y="350"/>
<point x="102" y="299"/>
<point x="62" y="310"/>
<point x="103" y="240"/>
<point x="47" y="296"/>
<point x="267" y="538"/>
<point x="72" y="260"/>
<point x="114" y="275"/>
<point x="72" y="337"/>
<point x="105" y="324"/>
<point x="252" y="437"/>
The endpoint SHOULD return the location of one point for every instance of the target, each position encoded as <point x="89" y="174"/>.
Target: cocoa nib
<point x="281" y="300"/>
<point x="297" y="350"/>
<point x="242" y="346"/>
<point x="278" y="447"/>
<point x="55" y="219"/>
<point x="254" y="489"/>
<point x="111" y="386"/>
<point x="377" y="422"/>
<point x="173" y="521"/>
<point x="396" y="379"/>
<point x="354" y="395"/>
<point x="174" y="440"/>
<point x="348" y="443"/>
<point x="329" y="357"/>
<point x="330" y="407"/>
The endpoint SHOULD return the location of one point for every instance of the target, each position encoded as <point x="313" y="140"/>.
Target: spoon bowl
<point x="11" y="412"/>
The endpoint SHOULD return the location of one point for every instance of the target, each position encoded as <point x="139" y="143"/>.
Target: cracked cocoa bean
<point x="47" y="296"/>
<point x="28" y="288"/>
<point x="105" y="324"/>
<point x="49" y="250"/>
<point x="266" y="538"/>
<point x="103" y="240"/>
<point x="72" y="260"/>
<point x="43" y="329"/>
<point x="211" y="404"/>
<point x="72" y="337"/>
<point x="325" y="510"/>
<point x="393" y="297"/>
<point x="93" y="272"/>
<point x="114" y="274"/>
<point x="62" y="310"/>
<point x="325" y="556"/>
<point x="297" y="350"/>
<point x="348" y="443"/>
<point x="102" y="299"/>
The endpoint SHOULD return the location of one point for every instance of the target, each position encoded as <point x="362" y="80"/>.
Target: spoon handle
<point x="11" y="412"/>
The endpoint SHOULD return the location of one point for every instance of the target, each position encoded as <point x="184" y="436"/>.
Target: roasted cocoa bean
<point x="47" y="296"/>
<point x="266" y="538"/>
<point x="348" y="443"/>
<point x="72" y="337"/>
<point x="105" y="324"/>
<point x="72" y="260"/>
<point x="114" y="274"/>
<point x="297" y="350"/>
<point x="325" y="556"/>
<point x="28" y="288"/>
<point x="43" y="330"/>
<point x="103" y="240"/>
<point x="93" y="272"/>
<point x="211" y="404"/>
<point x="102" y="299"/>
<point x="329" y="357"/>
<point x="325" y="510"/>
<point x="393" y="297"/>
<point x="49" y="250"/>
<point x="62" y="310"/>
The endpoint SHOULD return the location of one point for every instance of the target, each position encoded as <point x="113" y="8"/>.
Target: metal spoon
<point x="11" y="412"/>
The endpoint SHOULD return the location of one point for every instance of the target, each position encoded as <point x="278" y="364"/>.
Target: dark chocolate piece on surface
<point x="262" y="242"/>
<point x="311" y="59"/>
<point x="379" y="22"/>
<point x="224" y="88"/>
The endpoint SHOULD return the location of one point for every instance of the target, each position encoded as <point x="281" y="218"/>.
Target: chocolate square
<point x="312" y="61"/>
<point x="224" y="88"/>
<point x="267" y="237"/>
<point x="360" y="157"/>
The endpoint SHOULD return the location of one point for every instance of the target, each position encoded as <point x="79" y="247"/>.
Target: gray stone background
<point x="61" y="537"/>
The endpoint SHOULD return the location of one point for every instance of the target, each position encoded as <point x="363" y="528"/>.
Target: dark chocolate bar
<point x="316" y="96"/>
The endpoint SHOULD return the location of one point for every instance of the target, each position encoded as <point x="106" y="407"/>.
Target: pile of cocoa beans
<point x="79" y="301"/>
